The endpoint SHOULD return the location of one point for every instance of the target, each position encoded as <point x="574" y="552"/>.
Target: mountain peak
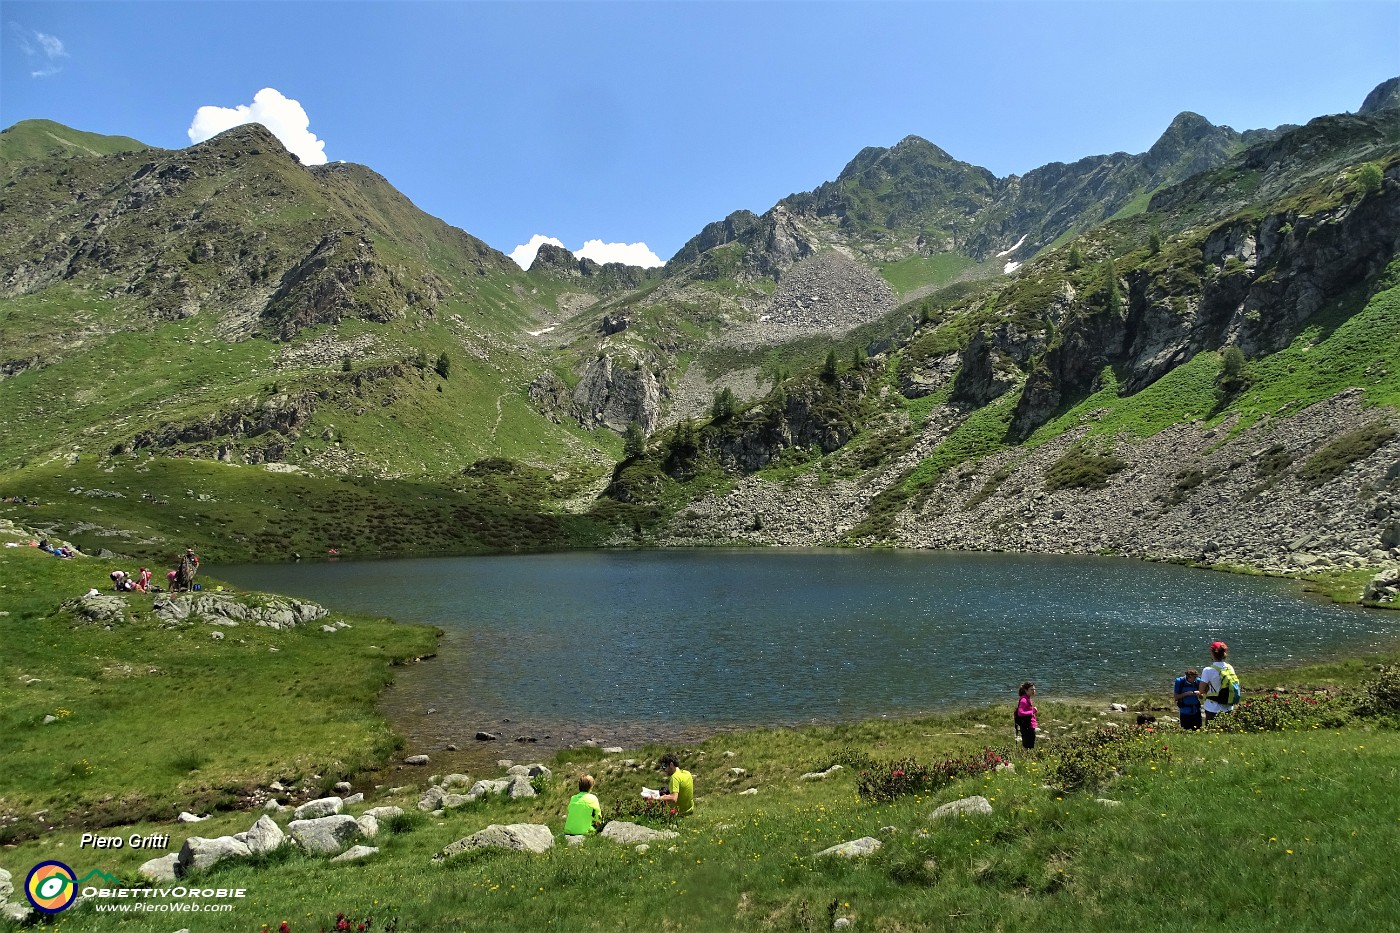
<point x="1383" y="97"/>
<point x="1192" y="139"/>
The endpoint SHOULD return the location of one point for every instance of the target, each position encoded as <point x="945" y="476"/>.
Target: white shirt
<point x="1210" y="685"/>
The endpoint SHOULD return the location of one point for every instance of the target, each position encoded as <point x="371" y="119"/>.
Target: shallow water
<point x="626" y="646"/>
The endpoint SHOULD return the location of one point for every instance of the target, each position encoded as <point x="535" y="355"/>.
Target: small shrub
<point x="1092" y="758"/>
<point x="1331" y="461"/>
<point x="1281" y="712"/>
<point x="1381" y="696"/>
<point x="405" y="822"/>
<point x="1082" y="468"/>
<point x="890" y="780"/>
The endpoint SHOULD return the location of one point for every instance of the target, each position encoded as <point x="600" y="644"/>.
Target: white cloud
<point x="633" y="254"/>
<point x="42" y="50"/>
<point x="282" y="116"/>
<point x="52" y="45"/>
<point x="524" y="254"/>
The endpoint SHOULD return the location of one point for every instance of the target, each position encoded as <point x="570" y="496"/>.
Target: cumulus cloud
<point x="633" y="254"/>
<point x="282" y="116"/>
<point x="42" y="50"/>
<point x="524" y="254"/>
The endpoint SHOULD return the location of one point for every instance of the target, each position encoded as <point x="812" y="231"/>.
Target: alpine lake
<point x="627" y="646"/>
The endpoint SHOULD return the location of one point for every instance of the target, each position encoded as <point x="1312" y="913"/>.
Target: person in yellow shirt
<point x="585" y="814"/>
<point x="682" y="786"/>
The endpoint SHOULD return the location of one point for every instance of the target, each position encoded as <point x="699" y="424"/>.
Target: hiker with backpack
<point x="1187" y="691"/>
<point x="1220" y="685"/>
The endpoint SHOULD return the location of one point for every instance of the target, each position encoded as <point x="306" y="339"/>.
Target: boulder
<point x="264" y="836"/>
<point x="369" y="826"/>
<point x="187" y="817"/>
<point x="417" y="760"/>
<point x="355" y="853"/>
<point x="628" y="834"/>
<point x="456" y="780"/>
<point x="968" y="805"/>
<point x="354" y="798"/>
<point x="431" y="799"/>
<point x="821" y="775"/>
<point x="521" y="787"/>
<point x="326" y="834"/>
<point x="20" y="913"/>
<point x="199" y="853"/>
<point x="312" y="809"/>
<point x="856" y="848"/>
<point x="7" y="886"/>
<point x="159" y="869"/>
<point x="383" y="813"/>
<point x="482" y="788"/>
<point x="342" y="787"/>
<point x="527" y="837"/>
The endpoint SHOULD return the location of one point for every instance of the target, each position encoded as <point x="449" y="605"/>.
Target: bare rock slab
<point x="326" y="834"/>
<point x="627" y="834"/>
<point x="967" y="806"/>
<point x="526" y="837"/>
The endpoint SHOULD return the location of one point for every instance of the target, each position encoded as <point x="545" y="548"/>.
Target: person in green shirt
<point x="682" y="786"/>
<point x="585" y="814"/>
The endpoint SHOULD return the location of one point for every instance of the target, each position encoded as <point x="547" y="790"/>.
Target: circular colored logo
<point x="51" y="887"/>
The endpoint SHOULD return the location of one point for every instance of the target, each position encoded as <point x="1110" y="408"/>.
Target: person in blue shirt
<point x="1187" y="690"/>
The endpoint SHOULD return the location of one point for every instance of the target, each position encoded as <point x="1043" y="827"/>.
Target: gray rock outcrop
<point x="324" y="806"/>
<point x="160" y="869"/>
<point x="968" y="806"/>
<point x="521" y="837"/>
<point x="627" y="834"/>
<point x="355" y="854"/>
<point x="326" y="834"/>
<point x="856" y="848"/>
<point x="264" y="836"/>
<point x="199" y="853"/>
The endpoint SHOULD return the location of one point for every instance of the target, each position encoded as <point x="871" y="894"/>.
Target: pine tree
<point x="829" y="367"/>
<point x="444" y="365"/>
<point x="723" y="406"/>
<point x="1113" y="296"/>
<point x="634" y="442"/>
<point x="1076" y="258"/>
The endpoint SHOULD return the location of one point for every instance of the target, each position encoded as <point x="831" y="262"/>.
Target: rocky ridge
<point x="1189" y="493"/>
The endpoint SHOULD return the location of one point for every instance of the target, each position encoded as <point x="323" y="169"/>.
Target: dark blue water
<point x="636" y="644"/>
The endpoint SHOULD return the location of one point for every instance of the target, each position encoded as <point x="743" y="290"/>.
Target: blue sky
<point x="638" y="123"/>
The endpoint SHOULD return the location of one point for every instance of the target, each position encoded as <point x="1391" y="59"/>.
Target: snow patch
<point x="1008" y="252"/>
<point x="543" y="330"/>
<point x="1010" y="267"/>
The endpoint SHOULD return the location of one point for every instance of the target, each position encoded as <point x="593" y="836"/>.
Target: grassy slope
<point x="31" y="140"/>
<point x="153" y="720"/>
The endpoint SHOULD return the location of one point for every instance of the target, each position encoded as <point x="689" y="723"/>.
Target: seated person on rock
<point x="585" y="814"/>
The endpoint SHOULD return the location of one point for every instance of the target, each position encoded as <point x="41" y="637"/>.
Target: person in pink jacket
<point x="1025" y="715"/>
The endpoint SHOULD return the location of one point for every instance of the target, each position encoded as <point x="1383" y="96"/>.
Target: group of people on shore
<point x="585" y="813"/>
<point x="1200" y="696"/>
<point x="179" y="579"/>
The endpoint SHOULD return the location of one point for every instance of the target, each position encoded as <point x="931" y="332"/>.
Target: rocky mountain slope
<point x="1126" y="353"/>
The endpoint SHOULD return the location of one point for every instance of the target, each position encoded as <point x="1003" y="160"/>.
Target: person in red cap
<point x="1220" y="685"/>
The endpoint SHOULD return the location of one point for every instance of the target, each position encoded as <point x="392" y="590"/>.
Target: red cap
<point x="1219" y="646"/>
